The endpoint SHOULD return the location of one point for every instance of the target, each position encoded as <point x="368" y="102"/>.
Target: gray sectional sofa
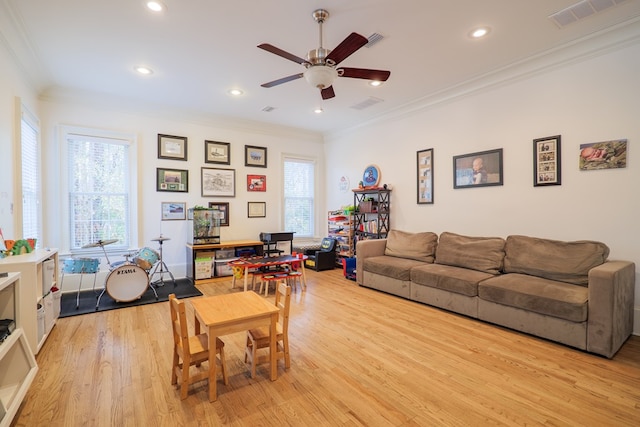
<point x="567" y="292"/>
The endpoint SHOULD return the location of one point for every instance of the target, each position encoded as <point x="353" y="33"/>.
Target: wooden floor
<point x="358" y="358"/>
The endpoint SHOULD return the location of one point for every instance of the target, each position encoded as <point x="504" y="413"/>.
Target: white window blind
<point x="299" y="191"/>
<point x="99" y="190"/>
<point x="29" y="132"/>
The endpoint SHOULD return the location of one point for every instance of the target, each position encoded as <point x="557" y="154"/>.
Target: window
<point x="100" y="179"/>
<point x="30" y="175"/>
<point x="299" y="190"/>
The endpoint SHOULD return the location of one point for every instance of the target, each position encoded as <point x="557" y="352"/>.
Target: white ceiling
<point x="199" y="49"/>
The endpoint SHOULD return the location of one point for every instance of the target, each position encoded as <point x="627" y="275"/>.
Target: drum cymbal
<point x="160" y="239"/>
<point x="99" y="243"/>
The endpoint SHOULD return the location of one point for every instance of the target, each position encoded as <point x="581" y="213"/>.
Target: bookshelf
<point x="373" y="213"/>
<point x="340" y="227"/>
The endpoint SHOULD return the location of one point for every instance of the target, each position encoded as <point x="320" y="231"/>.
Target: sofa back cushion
<point x="477" y="253"/>
<point x="417" y="246"/>
<point x="553" y="259"/>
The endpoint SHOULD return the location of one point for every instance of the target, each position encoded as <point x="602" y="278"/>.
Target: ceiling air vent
<point x="367" y="103"/>
<point x="268" y="109"/>
<point x="581" y="10"/>
<point x="373" y="39"/>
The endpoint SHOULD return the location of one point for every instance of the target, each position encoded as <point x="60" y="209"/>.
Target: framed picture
<point x="256" y="209"/>
<point x="176" y="180"/>
<point x="546" y="161"/>
<point x="481" y="169"/>
<point x="217" y="152"/>
<point x="371" y="176"/>
<point x="218" y="182"/>
<point x="172" y="147"/>
<point x="603" y="155"/>
<point x="174" y="211"/>
<point x="425" y="176"/>
<point x="256" y="183"/>
<point x="255" y="156"/>
<point x="221" y="212"/>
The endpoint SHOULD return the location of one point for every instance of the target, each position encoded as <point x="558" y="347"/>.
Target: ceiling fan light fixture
<point x="320" y="76"/>
<point x="375" y="83"/>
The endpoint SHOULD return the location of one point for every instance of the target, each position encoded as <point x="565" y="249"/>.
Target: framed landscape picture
<point x="176" y="180"/>
<point x="546" y="161"/>
<point x="481" y="169"/>
<point x="255" y="156"/>
<point x="217" y="152"/>
<point x="174" y="211"/>
<point x="221" y="212"/>
<point x="218" y="182"/>
<point x="172" y="147"/>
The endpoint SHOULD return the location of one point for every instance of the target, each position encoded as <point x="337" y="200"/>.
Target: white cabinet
<point x="18" y="367"/>
<point x="30" y="293"/>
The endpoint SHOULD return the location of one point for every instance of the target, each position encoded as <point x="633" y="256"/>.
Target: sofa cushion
<point x="453" y="279"/>
<point x="398" y="268"/>
<point x="477" y="253"/>
<point x="552" y="259"/>
<point x="418" y="246"/>
<point x="543" y="296"/>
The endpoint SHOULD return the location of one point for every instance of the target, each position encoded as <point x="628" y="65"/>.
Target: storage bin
<point x="49" y="320"/>
<point x="225" y="253"/>
<point x="57" y="295"/>
<point x="40" y="322"/>
<point x="222" y="268"/>
<point x="245" y="252"/>
<point x="203" y="268"/>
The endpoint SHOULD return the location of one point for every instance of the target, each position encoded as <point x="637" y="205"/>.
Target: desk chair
<point x="323" y="259"/>
<point x="258" y="338"/>
<point x="192" y="350"/>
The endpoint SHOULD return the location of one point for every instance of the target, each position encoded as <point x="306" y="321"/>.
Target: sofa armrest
<point x="366" y="249"/>
<point x="611" y="299"/>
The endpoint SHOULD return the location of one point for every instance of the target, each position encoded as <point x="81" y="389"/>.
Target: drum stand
<point x="160" y="267"/>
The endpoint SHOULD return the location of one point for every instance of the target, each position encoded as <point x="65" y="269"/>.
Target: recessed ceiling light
<point x="479" y="32"/>
<point x="141" y="69"/>
<point x="375" y="83"/>
<point x="318" y="110"/>
<point x="236" y="92"/>
<point x="156" y="6"/>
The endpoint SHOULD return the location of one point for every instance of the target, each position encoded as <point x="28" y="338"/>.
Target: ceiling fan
<point x="321" y="63"/>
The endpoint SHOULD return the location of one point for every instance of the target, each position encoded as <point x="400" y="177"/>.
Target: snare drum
<point x="146" y="258"/>
<point x="80" y="266"/>
<point x="127" y="283"/>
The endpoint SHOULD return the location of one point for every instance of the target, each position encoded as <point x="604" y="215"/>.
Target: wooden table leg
<point x="246" y="278"/>
<point x="213" y="384"/>
<point x="273" y="346"/>
<point x="304" y="276"/>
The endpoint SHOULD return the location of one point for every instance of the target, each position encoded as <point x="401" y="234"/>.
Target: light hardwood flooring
<point x="358" y="358"/>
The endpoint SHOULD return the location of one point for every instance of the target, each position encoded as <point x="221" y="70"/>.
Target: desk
<point x="257" y="262"/>
<point x="229" y="313"/>
<point x="269" y="238"/>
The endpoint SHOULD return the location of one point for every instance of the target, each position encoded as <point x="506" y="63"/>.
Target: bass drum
<point x="127" y="283"/>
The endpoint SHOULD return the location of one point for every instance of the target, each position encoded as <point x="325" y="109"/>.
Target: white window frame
<point x="128" y="139"/>
<point x="313" y="220"/>
<point x="25" y="115"/>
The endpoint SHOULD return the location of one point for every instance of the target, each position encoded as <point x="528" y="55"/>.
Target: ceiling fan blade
<point x="364" y="73"/>
<point x="282" y="80"/>
<point x="353" y="42"/>
<point x="282" y="53"/>
<point x="327" y="92"/>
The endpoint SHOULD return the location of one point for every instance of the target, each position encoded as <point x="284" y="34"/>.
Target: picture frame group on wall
<point x="217" y="152"/>
<point x="425" y="176"/>
<point x="480" y="169"/>
<point x="175" y="180"/>
<point x="256" y="183"/>
<point x="218" y="182"/>
<point x="172" y="147"/>
<point x="256" y="209"/>
<point x="547" y="168"/>
<point x="255" y="156"/>
<point x="172" y="211"/>
<point x="221" y="212"/>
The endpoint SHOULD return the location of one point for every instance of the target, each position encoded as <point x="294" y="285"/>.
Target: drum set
<point x="127" y="280"/>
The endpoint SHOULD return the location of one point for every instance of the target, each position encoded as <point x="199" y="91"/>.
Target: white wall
<point x="147" y="127"/>
<point x="591" y="101"/>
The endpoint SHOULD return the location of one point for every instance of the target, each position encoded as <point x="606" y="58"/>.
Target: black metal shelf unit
<point x="373" y="213"/>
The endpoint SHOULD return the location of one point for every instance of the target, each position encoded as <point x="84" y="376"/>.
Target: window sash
<point x="299" y="196"/>
<point x="30" y="176"/>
